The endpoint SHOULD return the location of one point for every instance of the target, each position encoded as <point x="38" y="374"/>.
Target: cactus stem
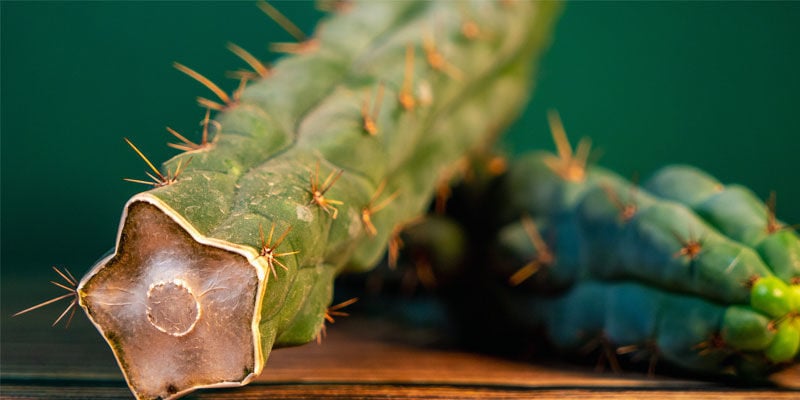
<point x="371" y="118"/>
<point x="259" y="67"/>
<point x="318" y="191"/>
<point x="268" y="249"/>
<point x="71" y="284"/>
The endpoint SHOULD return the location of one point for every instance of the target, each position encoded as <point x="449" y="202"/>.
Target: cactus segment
<point x="745" y="329"/>
<point x="771" y="296"/>
<point x="237" y="255"/>
<point x="736" y="212"/>
<point x="785" y="345"/>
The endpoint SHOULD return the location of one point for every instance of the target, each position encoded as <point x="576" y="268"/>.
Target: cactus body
<point x="695" y="273"/>
<point x="648" y="271"/>
<point x="238" y="254"/>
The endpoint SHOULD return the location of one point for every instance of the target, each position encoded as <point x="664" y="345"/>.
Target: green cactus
<point x="310" y="170"/>
<point x="692" y="272"/>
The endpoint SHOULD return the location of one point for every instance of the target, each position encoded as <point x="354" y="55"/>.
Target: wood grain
<point x="359" y="358"/>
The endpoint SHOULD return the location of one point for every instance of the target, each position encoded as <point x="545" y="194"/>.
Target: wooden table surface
<point x="360" y="358"/>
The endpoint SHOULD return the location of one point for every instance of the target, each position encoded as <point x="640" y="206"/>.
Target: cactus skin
<point x="201" y="238"/>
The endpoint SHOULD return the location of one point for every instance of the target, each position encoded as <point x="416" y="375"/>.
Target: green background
<point x="712" y="84"/>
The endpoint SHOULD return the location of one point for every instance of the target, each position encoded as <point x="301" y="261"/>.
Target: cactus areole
<point x="235" y="252"/>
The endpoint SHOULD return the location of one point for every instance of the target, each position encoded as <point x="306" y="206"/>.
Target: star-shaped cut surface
<point x="177" y="313"/>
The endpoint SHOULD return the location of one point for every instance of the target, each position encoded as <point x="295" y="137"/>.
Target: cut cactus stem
<point x="178" y="308"/>
<point x="193" y="295"/>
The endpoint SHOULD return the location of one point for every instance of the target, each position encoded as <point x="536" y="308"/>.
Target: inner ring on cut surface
<point x="172" y="307"/>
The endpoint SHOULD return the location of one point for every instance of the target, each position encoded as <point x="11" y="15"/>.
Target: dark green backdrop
<point x="713" y="84"/>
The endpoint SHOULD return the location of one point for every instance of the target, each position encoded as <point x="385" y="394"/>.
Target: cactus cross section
<point x="236" y="254"/>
